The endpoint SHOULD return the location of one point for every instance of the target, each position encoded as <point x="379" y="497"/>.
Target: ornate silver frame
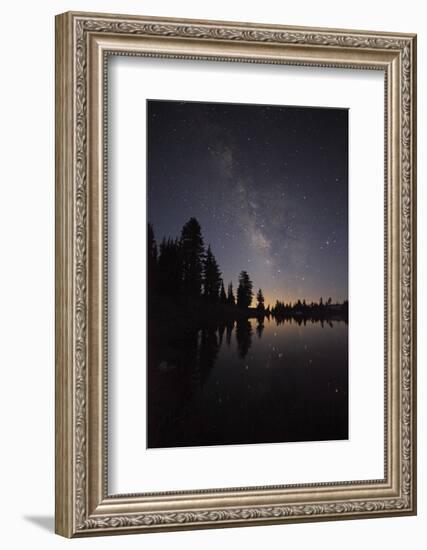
<point x="83" y="505"/>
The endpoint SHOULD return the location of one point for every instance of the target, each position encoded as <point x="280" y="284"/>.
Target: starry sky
<point x="267" y="183"/>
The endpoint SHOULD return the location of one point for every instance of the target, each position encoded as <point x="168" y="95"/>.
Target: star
<point x="271" y="207"/>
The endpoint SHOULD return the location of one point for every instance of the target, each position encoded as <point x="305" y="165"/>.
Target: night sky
<point x="268" y="184"/>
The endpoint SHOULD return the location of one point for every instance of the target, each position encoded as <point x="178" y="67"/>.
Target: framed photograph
<point x="235" y="274"/>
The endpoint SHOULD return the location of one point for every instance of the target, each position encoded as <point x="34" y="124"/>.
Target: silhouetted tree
<point x="260" y="300"/>
<point x="244" y="290"/>
<point x="230" y="295"/>
<point x="222" y="294"/>
<point x="192" y="253"/>
<point x="169" y="268"/>
<point x="211" y="278"/>
<point x="151" y="258"/>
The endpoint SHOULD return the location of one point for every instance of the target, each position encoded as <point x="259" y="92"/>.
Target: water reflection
<point x="219" y="384"/>
<point x="229" y="328"/>
<point x="209" y="348"/>
<point x="243" y="336"/>
<point x="260" y="326"/>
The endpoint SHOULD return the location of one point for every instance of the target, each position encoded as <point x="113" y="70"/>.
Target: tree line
<point x="185" y="267"/>
<point x="313" y="309"/>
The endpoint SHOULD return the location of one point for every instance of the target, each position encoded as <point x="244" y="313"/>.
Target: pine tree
<point x="169" y="270"/>
<point x="151" y="258"/>
<point x="231" y="301"/>
<point x="212" y="277"/>
<point x="192" y="251"/>
<point x="244" y="291"/>
<point x="222" y="294"/>
<point x="260" y="300"/>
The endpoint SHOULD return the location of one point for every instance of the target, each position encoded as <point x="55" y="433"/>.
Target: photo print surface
<point x="247" y="274"/>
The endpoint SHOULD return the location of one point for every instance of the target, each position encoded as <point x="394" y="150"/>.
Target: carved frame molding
<point x="83" y="41"/>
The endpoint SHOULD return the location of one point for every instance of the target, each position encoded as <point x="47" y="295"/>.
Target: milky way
<point x="268" y="184"/>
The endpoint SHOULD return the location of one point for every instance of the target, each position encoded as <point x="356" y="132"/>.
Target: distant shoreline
<point x="181" y="311"/>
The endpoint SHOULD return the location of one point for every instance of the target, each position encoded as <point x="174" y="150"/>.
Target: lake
<point x="248" y="381"/>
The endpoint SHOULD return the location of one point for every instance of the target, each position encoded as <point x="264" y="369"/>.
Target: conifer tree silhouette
<point x="222" y="294"/>
<point x="244" y="291"/>
<point x="212" y="277"/>
<point x="151" y="258"/>
<point x="192" y="253"/>
<point x="260" y="300"/>
<point x="231" y="301"/>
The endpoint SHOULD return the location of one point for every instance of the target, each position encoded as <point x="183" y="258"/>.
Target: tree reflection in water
<point x="243" y="336"/>
<point x="208" y="352"/>
<point x="205" y="388"/>
<point x="260" y="326"/>
<point x="229" y="329"/>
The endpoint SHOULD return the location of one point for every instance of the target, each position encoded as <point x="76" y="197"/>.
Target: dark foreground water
<point x="248" y="382"/>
